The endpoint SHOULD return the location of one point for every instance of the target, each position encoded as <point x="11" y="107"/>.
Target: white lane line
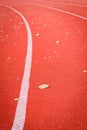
<point x="20" y="113"/>
<point x="63" y="11"/>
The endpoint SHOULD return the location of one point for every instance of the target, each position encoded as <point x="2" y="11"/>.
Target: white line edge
<point x="20" y="114"/>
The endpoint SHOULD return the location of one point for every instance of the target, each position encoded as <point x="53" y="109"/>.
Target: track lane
<point x="12" y="59"/>
<point x="35" y="109"/>
<point x="70" y="8"/>
<point x="67" y="62"/>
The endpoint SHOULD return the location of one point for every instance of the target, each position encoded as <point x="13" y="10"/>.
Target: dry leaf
<point x="37" y="35"/>
<point x="85" y="71"/>
<point x="43" y="86"/>
<point x="16" y="99"/>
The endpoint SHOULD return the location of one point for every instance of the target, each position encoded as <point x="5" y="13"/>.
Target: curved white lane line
<point x="20" y="114"/>
<point x="63" y="11"/>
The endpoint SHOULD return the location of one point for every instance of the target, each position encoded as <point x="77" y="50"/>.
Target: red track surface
<point x="63" y="66"/>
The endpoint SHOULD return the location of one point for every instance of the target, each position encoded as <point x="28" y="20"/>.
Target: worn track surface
<point x="58" y="58"/>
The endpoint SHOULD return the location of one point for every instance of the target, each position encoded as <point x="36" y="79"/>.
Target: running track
<point x="58" y="57"/>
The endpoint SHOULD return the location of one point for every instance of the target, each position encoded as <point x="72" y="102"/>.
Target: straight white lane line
<point x="20" y="113"/>
<point x="63" y="11"/>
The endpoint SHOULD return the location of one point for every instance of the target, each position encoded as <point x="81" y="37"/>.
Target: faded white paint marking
<point x="20" y="113"/>
<point x="63" y="11"/>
